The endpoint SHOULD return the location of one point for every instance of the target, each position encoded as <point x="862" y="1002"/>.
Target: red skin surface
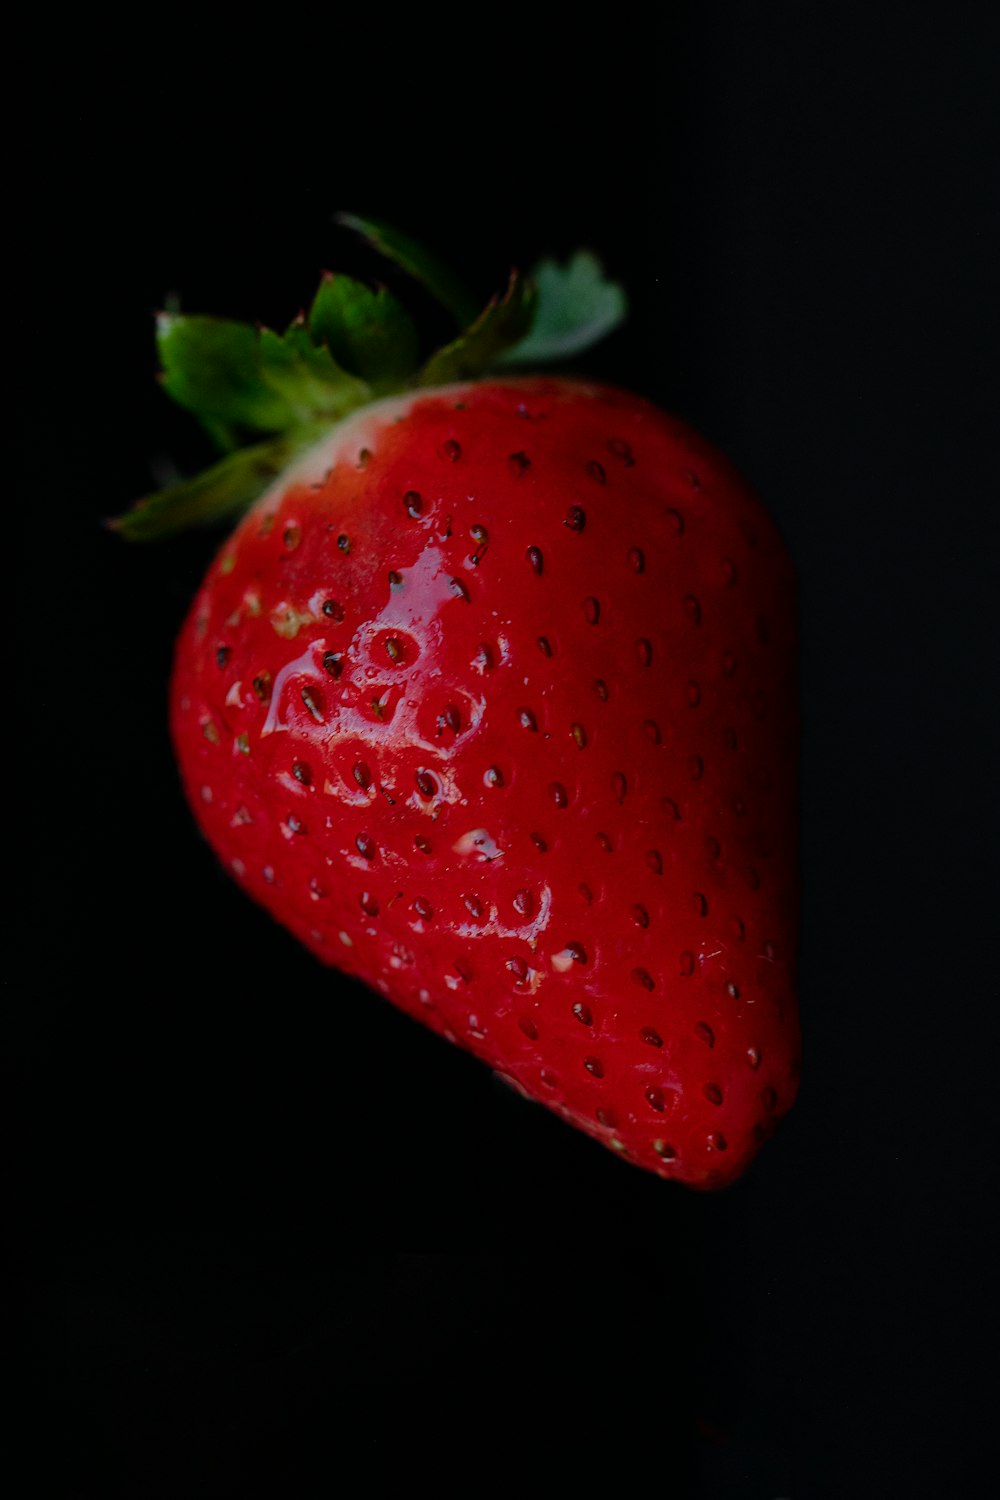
<point x="592" y="886"/>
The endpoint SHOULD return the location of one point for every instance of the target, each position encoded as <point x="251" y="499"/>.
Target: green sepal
<point x="577" y="306"/>
<point x="368" y="333"/>
<point x="355" y="345"/>
<point x="226" y="489"/>
<point x="213" y="368"/>
<point x="504" y="321"/>
<point x="444" y="285"/>
<point x="309" y="378"/>
<point x="240" y="380"/>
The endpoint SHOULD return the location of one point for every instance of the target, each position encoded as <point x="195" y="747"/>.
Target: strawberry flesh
<point x="491" y="702"/>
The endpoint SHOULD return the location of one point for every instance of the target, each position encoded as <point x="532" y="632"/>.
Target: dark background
<point x="264" y="1229"/>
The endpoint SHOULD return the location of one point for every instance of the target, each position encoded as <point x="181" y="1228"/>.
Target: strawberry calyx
<point x="263" y="397"/>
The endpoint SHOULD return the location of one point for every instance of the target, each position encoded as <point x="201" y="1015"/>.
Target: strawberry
<point x="489" y="699"/>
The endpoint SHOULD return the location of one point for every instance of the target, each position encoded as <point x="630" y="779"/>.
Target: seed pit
<point x="313" y="703"/>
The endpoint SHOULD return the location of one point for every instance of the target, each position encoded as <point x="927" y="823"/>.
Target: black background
<point x="264" y="1229"/>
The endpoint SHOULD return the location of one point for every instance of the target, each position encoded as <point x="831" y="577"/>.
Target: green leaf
<point x="439" y="279"/>
<point x="225" y="489"/>
<point x="577" y="306"/>
<point x="503" y="321"/>
<point x="308" y="378"/>
<point x="212" y="367"/>
<point x="366" y="332"/>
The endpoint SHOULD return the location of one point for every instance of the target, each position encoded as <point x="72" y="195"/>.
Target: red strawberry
<point x="490" y="700"/>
